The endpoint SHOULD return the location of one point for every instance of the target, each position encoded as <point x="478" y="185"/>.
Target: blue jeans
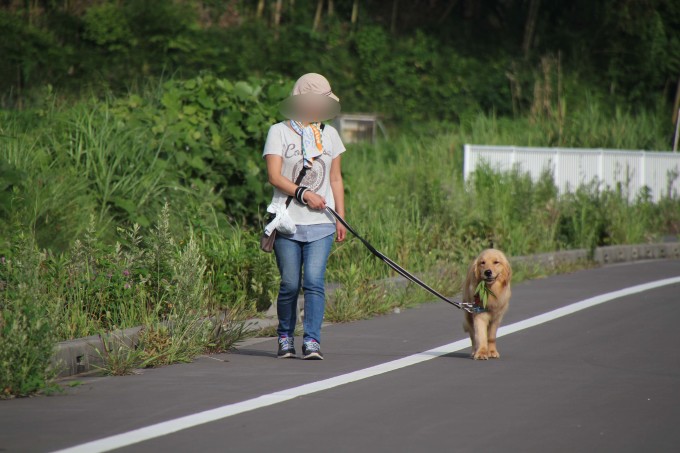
<point x="302" y="263"/>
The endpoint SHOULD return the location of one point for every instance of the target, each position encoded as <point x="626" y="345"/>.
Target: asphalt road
<point x="606" y="378"/>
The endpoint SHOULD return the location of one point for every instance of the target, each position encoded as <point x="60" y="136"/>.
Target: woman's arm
<point x="338" y="188"/>
<point x="285" y="185"/>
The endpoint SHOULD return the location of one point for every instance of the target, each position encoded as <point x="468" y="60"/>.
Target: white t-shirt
<point x="285" y="142"/>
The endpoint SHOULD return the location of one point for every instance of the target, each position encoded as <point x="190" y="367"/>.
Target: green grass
<point x="271" y="331"/>
<point x="96" y="239"/>
<point x="407" y="196"/>
<point x="362" y="298"/>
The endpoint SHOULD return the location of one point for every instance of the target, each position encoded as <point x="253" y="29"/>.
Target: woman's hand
<point x="341" y="232"/>
<point x="314" y="200"/>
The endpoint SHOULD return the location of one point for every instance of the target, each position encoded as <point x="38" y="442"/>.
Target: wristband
<point x="300" y="193"/>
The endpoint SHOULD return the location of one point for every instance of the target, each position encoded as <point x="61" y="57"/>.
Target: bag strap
<point x="303" y="172"/>
<point x="297" y="182"/>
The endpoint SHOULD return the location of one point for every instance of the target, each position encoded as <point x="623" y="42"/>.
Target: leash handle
<point x="400" y="270"/>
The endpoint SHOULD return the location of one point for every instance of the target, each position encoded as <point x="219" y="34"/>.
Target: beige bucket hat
<point x="311" y="100"/>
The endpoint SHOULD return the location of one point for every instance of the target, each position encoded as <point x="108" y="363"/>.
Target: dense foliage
<point x="408" y="60"/>
<point x="193" y="143"/>
<point x="73" y="264"/>
<point x="132" y="184"/>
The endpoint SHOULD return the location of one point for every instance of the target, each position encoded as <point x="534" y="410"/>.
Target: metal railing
<point x="573" y="167"/>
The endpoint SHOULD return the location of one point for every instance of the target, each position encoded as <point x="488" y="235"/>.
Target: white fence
<point x="572" y="167"/>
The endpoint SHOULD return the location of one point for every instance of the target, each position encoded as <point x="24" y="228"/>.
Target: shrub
<point x="241" y="275"/>
<point x="195" y="143"/>
<point x="26" y="326"/>
<point x="210" y="132"/>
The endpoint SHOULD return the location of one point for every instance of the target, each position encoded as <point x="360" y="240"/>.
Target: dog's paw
<point x="494" y="355"/>
<point x="481" y="354"/>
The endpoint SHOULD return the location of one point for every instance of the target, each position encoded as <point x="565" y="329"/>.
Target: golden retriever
<point x="492" y="267"/>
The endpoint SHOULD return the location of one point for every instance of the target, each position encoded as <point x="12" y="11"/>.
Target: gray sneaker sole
<point x="313" y="356"/>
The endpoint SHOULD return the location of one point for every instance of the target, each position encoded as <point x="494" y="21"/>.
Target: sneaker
<point x="286" y="347"/>
<point x="311" y="350"/>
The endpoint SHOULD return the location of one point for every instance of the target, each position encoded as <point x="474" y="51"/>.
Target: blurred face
<point x="311" y="112"/>
<point x="310" y="108"/>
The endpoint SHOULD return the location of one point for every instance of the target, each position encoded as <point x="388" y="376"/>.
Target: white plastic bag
<point x="282" y="221"/>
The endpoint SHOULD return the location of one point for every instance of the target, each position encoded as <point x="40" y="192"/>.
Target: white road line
<point x="179" y="424"/>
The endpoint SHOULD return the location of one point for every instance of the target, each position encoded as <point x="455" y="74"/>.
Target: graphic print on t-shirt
<point x="314" y="176"/>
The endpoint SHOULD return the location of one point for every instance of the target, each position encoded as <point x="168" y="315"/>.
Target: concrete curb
<point x="83" y="355"/>
<point x="605" y="255"/>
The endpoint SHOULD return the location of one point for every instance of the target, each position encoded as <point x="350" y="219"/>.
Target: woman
<point x="302" y="143"/>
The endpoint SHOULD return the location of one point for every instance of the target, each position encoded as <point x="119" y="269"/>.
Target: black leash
<point x="467" y="306"/>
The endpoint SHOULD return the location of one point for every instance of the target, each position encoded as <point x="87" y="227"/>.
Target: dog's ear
<point x="475" y="268"/>
<point x="470" y="283"/>
<point x="508" y="271"/>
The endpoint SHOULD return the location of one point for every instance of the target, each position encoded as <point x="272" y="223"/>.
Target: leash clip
<point x="471" y="307"/>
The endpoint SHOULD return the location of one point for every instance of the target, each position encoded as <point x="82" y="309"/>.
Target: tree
<point x="317" y="16"/>
<point x="530" y="26"/>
